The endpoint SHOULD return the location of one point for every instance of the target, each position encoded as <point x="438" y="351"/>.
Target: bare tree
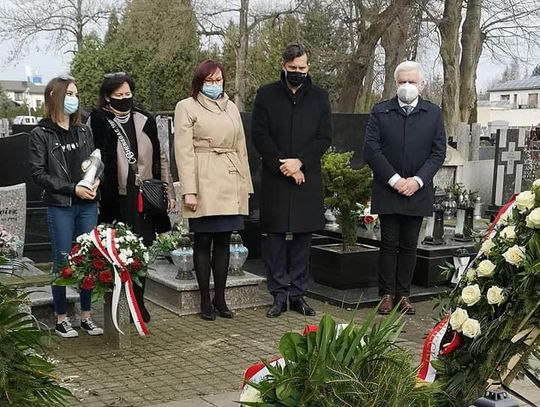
<point x="400" y="42"/>
<point x="213" y="20"/>
<point x="64" y="21"/>
<point x="450" y="53"/>
<point x="370" y="24"/>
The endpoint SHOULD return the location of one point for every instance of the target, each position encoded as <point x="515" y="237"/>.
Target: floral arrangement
<point x="167" y="242"/>
<point x="10" y="245"/>
<point x="496" y="306"/>
<point x="89" y="268"/>
<point x="365" y="217"/>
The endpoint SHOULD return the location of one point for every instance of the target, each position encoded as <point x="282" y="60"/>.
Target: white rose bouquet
<point x="496" y="305"/>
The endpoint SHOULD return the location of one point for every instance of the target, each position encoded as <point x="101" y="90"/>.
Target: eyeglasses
<point x="213" y="81"/>
<point x="66" y="77"/>
<point x="114" y="75"/>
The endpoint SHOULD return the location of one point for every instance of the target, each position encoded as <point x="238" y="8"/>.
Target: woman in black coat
<point x="119" y="189"/>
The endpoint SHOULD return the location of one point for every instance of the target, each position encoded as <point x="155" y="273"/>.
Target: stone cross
<point x="508" y="169"/>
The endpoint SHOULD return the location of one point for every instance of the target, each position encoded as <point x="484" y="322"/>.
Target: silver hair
<point x="407" y="66"/>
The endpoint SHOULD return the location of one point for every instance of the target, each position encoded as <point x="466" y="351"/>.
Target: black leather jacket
<point x="48" y="164"/>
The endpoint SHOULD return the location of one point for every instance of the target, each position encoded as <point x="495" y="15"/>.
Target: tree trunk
<point x="472" y="40"/>
<point x="450" y="51"/>
<point x="394" y="53"/>
<point x="364" y="100"/>
<point x="355" y="72"/>
<point x="79" y="25"/>
<point x="242" y="55"/>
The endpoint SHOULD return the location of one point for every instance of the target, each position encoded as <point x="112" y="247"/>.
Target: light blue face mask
<point x="213" y="91"/>
<point x="71" y="104"/>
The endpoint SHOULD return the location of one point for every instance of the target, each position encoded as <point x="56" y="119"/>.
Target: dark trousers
<point x="397" y="257"/>
<point x="287" y="264"/>
<point x="65" y="224"/>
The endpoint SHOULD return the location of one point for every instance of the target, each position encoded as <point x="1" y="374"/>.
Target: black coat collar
<point x="421" y="105"/>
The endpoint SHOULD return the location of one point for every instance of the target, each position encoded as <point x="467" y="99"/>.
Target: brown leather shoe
<point x="406" y="307"/>
<point x="386" y="304"/>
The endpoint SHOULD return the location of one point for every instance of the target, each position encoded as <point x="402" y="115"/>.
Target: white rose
<point x="471" y="294"/>
<point x="533" y="219"/>
<point x="495" y="296"/>
<point x="525" y="200"/>
<point x="508" y="233"/>
<point x="536" y="183"/>
<point x="471" y="328"/>
<point x="486" y="268"/>
<point x="458" y="317"/>
<point x="251" y="395"/>
<point x="515" y="255"/>
<point x="471" y="274"/>
<point x="486" y="247"/>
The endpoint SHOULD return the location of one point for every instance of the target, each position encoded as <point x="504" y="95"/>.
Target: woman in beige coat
<point x="215" y="181"/>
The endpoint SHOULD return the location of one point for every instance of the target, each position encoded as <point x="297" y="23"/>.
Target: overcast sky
<point x="49" y="63"/>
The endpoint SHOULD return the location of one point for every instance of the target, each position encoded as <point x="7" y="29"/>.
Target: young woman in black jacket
<point x="57" y="148"/>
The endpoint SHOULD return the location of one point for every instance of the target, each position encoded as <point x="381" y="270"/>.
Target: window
<point x="505" y="97"/>
<point x="533" y="100"/>
<point x="38" y="103"/>
<point x="19" y="96"/>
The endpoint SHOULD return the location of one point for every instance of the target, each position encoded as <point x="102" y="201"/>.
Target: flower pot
<point x="345" y="269"/>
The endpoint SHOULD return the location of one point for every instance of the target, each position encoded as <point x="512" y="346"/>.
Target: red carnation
<point x="66" y="272"/>
<point x="98" y="264"/>
<point x="136" y="265"/>
<point x="78" y="259"/>
<point x="88" y="282"/>
<point x="369" y="219"/>
<point x="96" y="253"/>
<point x="76" y="247"/>
<point x="124" y="275"/>
<point x="105" y="277"/>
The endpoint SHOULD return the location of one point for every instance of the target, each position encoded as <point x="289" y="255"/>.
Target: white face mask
<point x="407" y="93"/>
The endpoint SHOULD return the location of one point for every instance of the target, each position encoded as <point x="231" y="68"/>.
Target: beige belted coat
<point x="211" y="156"/>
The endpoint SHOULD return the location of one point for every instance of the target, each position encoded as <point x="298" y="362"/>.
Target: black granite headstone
<point x="14" y="169"/>
<point x="508" y="170"/>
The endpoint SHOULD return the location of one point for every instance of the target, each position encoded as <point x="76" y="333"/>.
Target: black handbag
<point x="152" y="197"/>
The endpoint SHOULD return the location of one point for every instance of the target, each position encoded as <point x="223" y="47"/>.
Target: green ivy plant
<point x="359" y="365"/>
<point x="26" y="377"/>
<point x="345" y="187"/>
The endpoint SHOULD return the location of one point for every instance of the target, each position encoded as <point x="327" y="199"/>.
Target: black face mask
<point x="295" y="78"/>
<point x="122" y="105"/>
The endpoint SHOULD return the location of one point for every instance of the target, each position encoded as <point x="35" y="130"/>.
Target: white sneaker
<point x="65" y="330"/>
<point x="91" y="328"/>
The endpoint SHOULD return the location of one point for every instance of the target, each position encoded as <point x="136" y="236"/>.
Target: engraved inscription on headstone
<point x="13" y="209"/>
<point x="508" y="170"/>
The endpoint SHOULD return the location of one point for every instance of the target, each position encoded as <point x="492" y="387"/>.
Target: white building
<point x="516" y="102"/>
<point x="24" y="93"/>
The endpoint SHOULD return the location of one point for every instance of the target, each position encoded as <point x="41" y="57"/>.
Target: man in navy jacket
<point x="405" y="146"/>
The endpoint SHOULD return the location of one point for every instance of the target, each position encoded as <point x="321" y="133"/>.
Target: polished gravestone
<point x="430" y="258"/>
<point x="182" y="296"/>
<point x="13" y="211"/>
<point x="15" y="170"/>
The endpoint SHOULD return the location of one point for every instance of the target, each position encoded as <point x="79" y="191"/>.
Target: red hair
<point x="205" y="68"/>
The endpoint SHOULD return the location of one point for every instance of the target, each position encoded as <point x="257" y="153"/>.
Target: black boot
<point x="201" y="259"/>
<point x="220" y="268"/>
<point x="139" y="295"/>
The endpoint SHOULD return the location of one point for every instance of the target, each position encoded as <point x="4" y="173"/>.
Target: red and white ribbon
<point x="430" y="352"/>
<point x="121" y="277"/>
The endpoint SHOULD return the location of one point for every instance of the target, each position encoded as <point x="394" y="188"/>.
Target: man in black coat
<point x="291" y="129"/>
<point x="405" y="146"/>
